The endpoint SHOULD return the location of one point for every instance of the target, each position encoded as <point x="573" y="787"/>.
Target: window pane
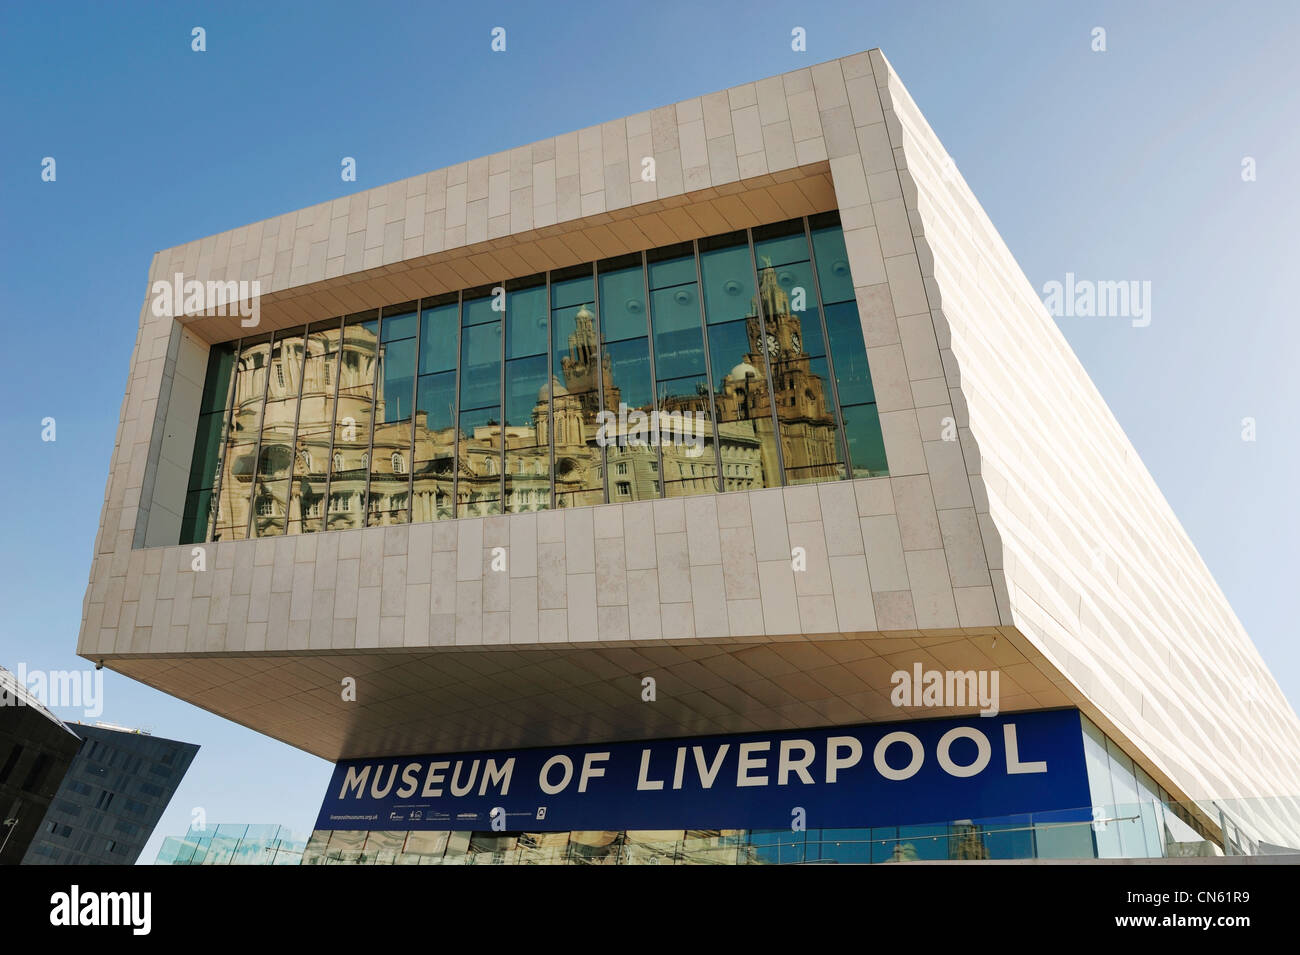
<point x="208" y="439"/>
<point x="1105" y="833"/>
<point x="436" y="401"/>
<point x="198" y="516"/>
<point x="528" y="454"/>
<point x="745" y="430"/>
<point x="236" y="486"/>
<point x="315" y="424"/>
<point x="423" y="847"/>
<point x="832" y="265"/>
<point x="435" y="446"/>
<point x="622" y="302"/>
<point x="241" y="448"/>
<point x="634" y="472"/>
<point x="526" y="312"/>
<point x="478" y="306"/>
<point x="852" y="376"/>
<point x="629" y="373"/>
<point x="480" y="370"/>
<point x="271" y="505"/>
<point x="571" y="286"/>
<point x="528" y="397"/>
<point x="790" y="307"/>
<point x="275" y="460"/>
<point x="781" y="243"/>
<point x="679" y="344"/>
<point x="745" y="427"/>
<point x="809" y="435"/>
<point x="686" y="433"/>
<point x="1064" y="834"/>
<point x="673" y="265"/>
<point x="684" y="402"/>
<point x="354" y="411"/>
<point x="921" y="842"/>
<point x="438" y="337"/>
<point x="216" y="384"/>
<point x="390" y="459"/>
<point x="853" y="379"/>
<point x="399" y="322"/>
<point x="479" y="457"/>
<point x="579" y="479"/>
<point x="800" y="375"/>
<point x="288" y="407"/>
<point x="633" y="460"/>
<point x="1127" y="808"/>
<point x="728" y="274"/>
<point x="479" y="449"/>
<point x="588" y="847"/>
<point x="1149" y="800"/>
<point x="396" y="381"/>
<point x="866" y="444"/>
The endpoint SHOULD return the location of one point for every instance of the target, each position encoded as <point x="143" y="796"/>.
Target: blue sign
<point x="880" y="774"/>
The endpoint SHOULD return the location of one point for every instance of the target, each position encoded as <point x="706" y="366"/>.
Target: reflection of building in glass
<point x="493" y="399"/>
<point x="232" y="844"/>
<point x="808" y="432"/>
<point x="967" y="842"/>
<point x="631" y="847"/>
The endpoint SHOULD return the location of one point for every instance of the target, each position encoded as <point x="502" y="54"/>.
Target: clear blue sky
<point x="1117" y="165"/>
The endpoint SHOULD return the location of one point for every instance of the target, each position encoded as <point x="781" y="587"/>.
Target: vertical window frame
<point x="830" y="359"/>
<point x="767" y="360"/>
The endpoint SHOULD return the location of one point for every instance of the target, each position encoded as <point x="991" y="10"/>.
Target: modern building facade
<point x="111" y="798"/>
<point x="652" y="454"/>
<point x="36" y="749"/>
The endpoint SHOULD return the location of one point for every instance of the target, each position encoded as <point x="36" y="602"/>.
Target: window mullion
<point x="767" y="361"/>
<point x="830" y="359"/>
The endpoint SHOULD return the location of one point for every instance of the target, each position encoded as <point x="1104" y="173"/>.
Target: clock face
<point x="773" y="347"/>
<point x="794" y="341"/>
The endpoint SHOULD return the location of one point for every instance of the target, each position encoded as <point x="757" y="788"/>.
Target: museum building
<point x="583" y="515"/>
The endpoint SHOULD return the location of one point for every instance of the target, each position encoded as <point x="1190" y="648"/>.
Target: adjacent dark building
<point x="36" y="749"/>
<point x="111" y="797"/>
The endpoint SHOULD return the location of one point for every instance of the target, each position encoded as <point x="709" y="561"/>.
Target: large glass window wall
<point x="1134" y="818"/>
<point x="1066" y="834"/>
<point x="734" y="362"/>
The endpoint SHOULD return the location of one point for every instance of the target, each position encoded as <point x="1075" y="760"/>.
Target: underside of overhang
<point x="433" y="700"/>
<point x="387" y="702"/>
<point x="788" y="194"/>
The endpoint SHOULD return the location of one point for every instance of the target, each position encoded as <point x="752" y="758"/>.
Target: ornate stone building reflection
<point x="808" y="429"/>
<point x="306" y="421"/>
